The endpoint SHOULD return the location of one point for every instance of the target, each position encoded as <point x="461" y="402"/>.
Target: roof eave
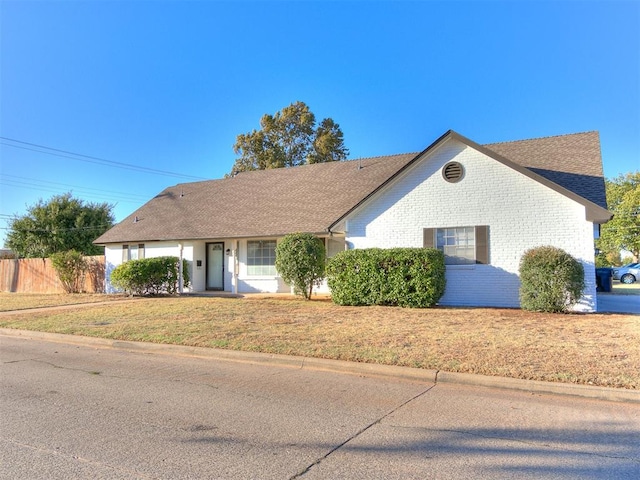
<point x="317" y="233"/>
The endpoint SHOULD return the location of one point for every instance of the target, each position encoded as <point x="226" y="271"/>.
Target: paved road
<point x="69" y="411"/>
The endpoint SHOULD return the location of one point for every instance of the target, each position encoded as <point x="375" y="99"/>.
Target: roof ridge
<point x="381" y="156"/>
<point x="542" y="138"/>
<point x="314" y="165"/>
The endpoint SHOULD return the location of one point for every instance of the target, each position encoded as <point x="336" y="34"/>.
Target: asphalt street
<point x="73" y="411"/>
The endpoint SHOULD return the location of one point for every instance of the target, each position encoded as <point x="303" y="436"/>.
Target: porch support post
<point x="234" y="277"/>
<point x="180" y="273"/>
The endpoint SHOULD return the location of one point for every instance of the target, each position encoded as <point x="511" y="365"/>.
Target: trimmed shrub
<point x="300" y="261"/>
<point x="406" y="277"/>
<point x="71" y="267"/>
<point x="551" y="280"/>
<point x="150" y="276"/>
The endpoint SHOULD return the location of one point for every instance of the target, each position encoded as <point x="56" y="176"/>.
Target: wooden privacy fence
<point x="37" y="275"/>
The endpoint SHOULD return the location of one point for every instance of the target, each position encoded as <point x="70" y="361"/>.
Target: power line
<point x="84" y="195"/>
<point x="48" y="186"/>
<point x="58" y="230"/>
<point x="91" y="159"/>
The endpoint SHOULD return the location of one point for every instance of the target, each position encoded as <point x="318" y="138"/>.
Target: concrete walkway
<point x="612" y="303"/>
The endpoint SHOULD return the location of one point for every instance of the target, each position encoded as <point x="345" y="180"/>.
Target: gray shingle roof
<point x="571" y="161"/>
<point x="262" y="203"/>
<point x="309" y="198"/>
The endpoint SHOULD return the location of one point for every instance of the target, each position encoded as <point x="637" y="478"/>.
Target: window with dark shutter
<point x="460" y="245"/>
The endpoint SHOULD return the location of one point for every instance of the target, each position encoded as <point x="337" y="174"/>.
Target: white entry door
<point x="215" y="266"/>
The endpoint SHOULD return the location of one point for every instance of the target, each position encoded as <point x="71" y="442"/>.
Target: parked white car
<point x="627" y="273"/>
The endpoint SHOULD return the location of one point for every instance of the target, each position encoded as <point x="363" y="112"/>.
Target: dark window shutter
<point x="482" y="244"/>
<point x="428" y="238"/>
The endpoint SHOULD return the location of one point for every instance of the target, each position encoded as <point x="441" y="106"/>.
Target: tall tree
<point x="60" y="224"/>
<point x="287" y="139"/>
<point x="622" y="232"/>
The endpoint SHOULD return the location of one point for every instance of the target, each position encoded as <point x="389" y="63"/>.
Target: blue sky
<point x="168" y="85"/>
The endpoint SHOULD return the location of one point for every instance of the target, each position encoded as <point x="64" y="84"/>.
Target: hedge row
<point x="406" y="277"/>
<point x="150" y="276"/>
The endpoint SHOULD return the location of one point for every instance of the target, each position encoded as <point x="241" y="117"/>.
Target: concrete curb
<point x="339" y="366"/>
<point x="536" y="386"/>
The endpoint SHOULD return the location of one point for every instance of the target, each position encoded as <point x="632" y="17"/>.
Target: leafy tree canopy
<point x="287" y="139"/>
<point x="60" y="224"/>
<point x="622" y="232"/>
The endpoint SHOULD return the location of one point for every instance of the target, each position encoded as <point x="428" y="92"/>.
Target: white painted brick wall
<point x="113" y="257"/>
<point x="521" y="214"/>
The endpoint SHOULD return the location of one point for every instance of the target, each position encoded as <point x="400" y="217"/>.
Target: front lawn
<point x="21" y="301"/>
<point x="595" y="349"/>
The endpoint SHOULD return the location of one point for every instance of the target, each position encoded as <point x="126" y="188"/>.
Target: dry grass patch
<point x="589" y="349"/>
<point x="21" y="301"/>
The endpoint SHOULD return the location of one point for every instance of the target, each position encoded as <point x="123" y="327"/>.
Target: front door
<point x="215" y="266"/>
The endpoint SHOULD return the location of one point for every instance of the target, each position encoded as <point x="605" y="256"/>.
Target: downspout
<point x="180" y="272"/>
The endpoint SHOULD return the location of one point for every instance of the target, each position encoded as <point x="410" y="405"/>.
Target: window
<point x="132" y="252"/>
<point x="460" y="245"/>
<point x="261" y="257"/>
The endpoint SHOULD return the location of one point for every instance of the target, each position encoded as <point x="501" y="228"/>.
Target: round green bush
<point x="300" y="261"/>
<point x="551" y="280"/>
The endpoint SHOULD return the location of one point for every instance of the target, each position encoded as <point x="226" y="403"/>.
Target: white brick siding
<point x="113" y="258"/>
<point x="196" y="250"/>
<point x="520" y="212"/>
